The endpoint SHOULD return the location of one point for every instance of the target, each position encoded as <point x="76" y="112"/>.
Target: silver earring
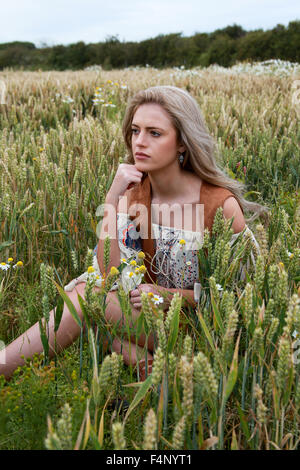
<point x="181" y="158"/>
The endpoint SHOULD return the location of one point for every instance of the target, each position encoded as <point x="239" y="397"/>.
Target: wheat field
<point x="228" y="379"/>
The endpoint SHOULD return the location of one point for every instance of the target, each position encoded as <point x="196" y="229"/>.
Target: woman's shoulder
<point x="213" y="197"/>
<point x="232" y="208"/>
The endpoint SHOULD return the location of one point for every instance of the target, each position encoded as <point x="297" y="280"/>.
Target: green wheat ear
<point x="118" y="436"/>
<point x="150" y="430"/>
<point x="106" y="252"/>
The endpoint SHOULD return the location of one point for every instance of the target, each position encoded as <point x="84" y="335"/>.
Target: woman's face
<point x="154" y="140"/>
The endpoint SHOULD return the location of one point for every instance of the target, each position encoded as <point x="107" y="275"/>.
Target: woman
<point x="171" y="162"/>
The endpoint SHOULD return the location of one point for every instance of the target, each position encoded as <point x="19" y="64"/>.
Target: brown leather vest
<point x="210" y="195"/>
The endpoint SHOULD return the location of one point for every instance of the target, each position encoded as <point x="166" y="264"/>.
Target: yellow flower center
<point x="141" y="255"/>
<point x="20" y="263"/>
<point x="113" y="271"/>
<point x="91" y="269"/>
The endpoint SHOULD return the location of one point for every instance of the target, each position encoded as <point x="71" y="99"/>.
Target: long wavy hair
<point x="201" y="150"/>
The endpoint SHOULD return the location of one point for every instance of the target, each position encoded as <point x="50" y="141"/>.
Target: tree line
<point x="224" y="47"/>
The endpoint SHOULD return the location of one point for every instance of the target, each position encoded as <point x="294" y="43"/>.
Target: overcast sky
<point x="70" y="21"/>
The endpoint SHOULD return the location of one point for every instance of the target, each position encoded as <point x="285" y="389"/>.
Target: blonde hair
<point x="191" y="131"/>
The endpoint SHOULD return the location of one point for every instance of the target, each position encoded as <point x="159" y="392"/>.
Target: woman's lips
<point x="141" y="156"/>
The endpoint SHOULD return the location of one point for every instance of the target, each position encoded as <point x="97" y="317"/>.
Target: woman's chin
<point x="142" y="166"/>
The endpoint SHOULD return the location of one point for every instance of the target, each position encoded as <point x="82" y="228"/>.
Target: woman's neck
<point x="168" y="185"/>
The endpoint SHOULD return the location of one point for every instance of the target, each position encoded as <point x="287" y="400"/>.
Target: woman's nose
<point x="140" y="140"/>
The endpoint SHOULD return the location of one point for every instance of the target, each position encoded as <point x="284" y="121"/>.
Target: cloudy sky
<point x="69" y="21"/>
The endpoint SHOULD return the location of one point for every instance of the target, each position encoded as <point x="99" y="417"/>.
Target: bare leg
<point x="30" y="343"/>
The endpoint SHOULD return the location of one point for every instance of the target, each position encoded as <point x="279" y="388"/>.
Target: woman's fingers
<point x="135" y="293"/>
<point x="137" y="306"/>
<point x="135" y="298"/>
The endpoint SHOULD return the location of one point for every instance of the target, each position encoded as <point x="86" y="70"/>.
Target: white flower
<point x="4" y="266"/>
<point x="123" y="87"/>
<point x="295" y="334"/>
<point x="219" y="287"/>
<point x="188" y="263"/>
<point x="290" y="254"/>
<point x="129" y="279"/>
<point x="68" y="100"/>
<point x="157" y="300"/>
<point x="98" y="278"/>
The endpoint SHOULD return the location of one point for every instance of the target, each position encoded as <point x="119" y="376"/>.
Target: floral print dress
<point x="175" y="264"/>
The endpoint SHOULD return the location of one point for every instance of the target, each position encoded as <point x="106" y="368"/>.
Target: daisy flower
<point x="219" y="287"/>
<point x="157" y="299"/>
<point x="19" y="264"/>
<point x="4" y="266"/>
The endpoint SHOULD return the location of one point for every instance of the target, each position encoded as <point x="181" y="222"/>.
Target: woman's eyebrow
<point x="150" y="127"/>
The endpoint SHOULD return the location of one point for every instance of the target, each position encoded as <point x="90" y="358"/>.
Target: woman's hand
<point x="135" y="295"/>
<point x="125" y="177"/>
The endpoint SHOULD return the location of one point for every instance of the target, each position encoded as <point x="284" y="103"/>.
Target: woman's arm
<point x="126" y="175"/>
<point x="109" y="228"/>
<point x="231" y="208"/>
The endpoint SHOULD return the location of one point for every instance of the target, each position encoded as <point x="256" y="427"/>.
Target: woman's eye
<point x="155" y="134"/>
<point x="133" y="131"/>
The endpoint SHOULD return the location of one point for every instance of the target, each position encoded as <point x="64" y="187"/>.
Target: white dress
<point x="176" y="265"/>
